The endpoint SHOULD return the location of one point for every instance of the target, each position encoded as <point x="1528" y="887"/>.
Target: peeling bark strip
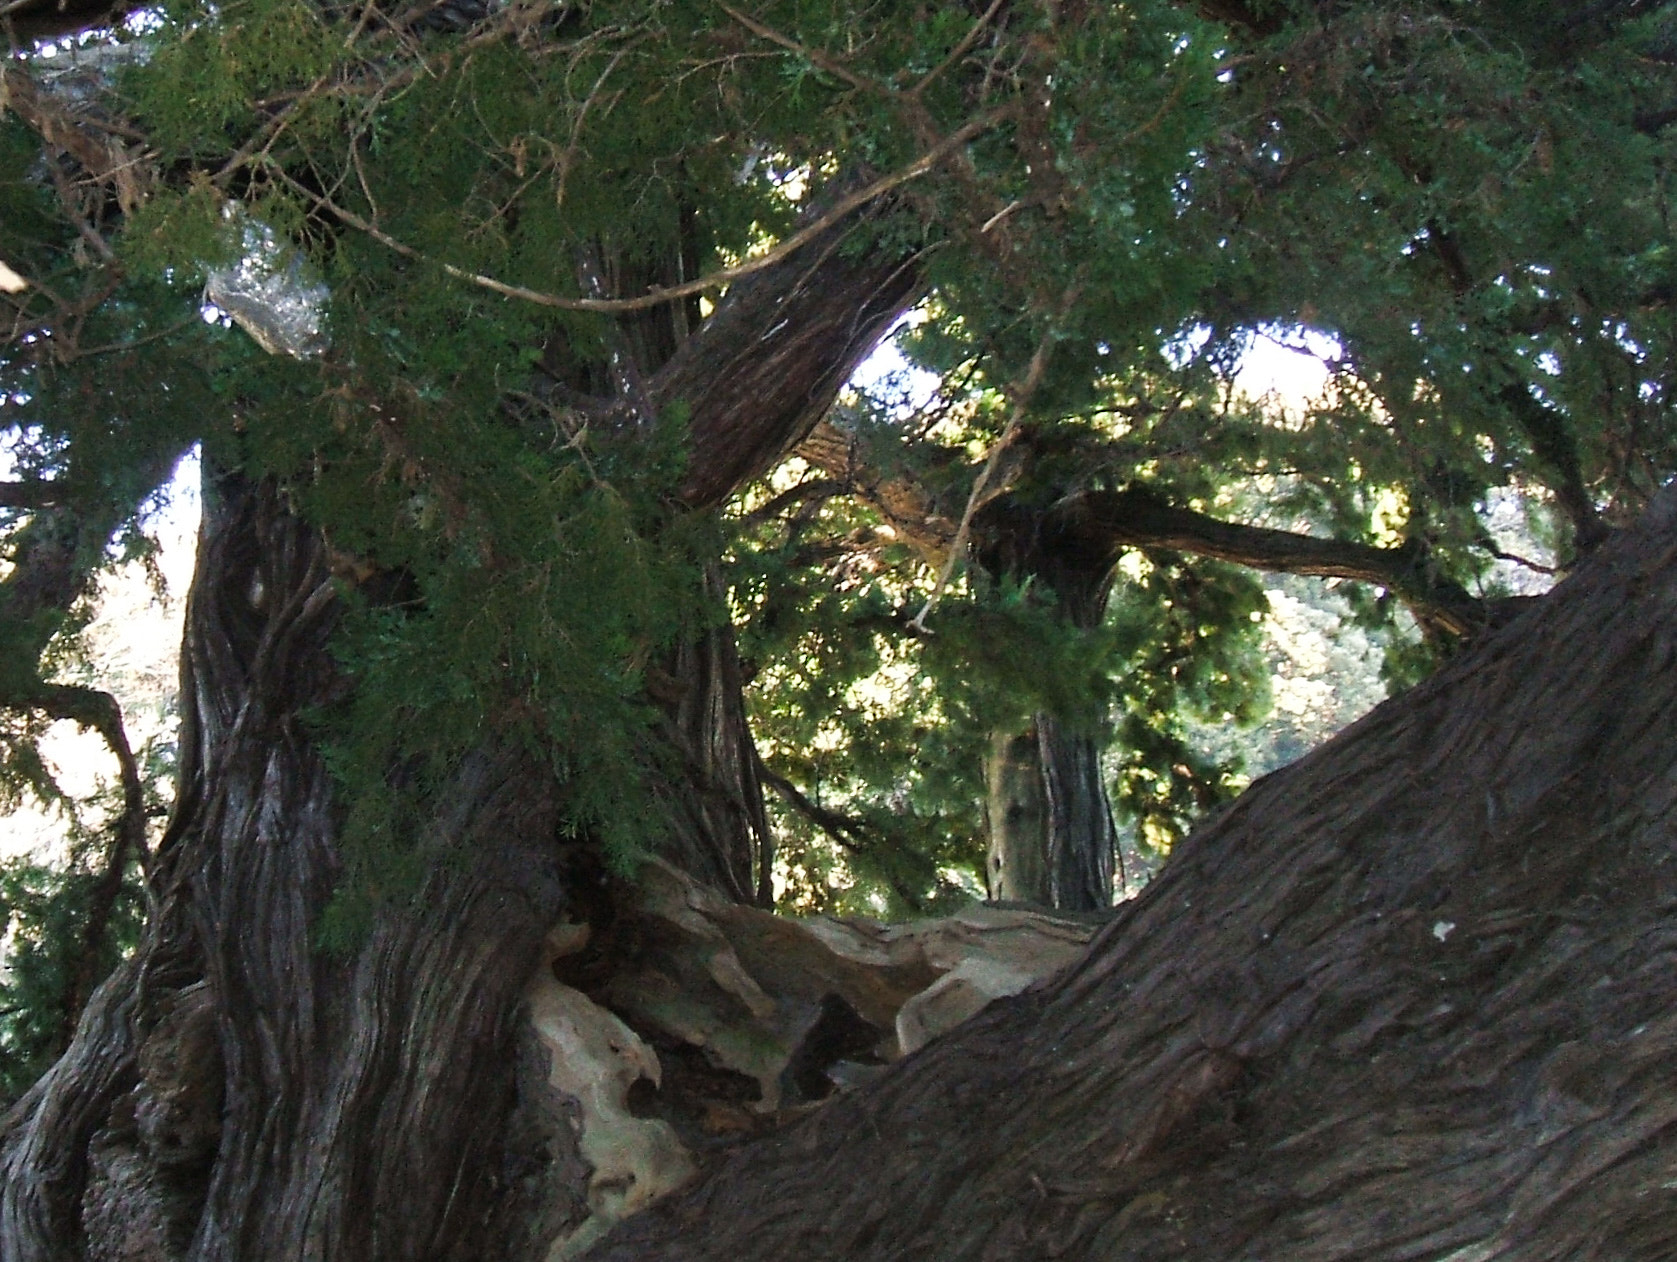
<point x="1410" y="998"/>
<point x="771" y="360"/>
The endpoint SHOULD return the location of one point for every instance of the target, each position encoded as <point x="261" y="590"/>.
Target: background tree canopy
<point x="549" y="537"/>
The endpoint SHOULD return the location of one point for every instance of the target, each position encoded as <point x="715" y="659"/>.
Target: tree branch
<point x="846" y="832"/>
<point x="811" y="232"/>
<point x="31" y="493"/>
<point x="1021" y="393"/>
<point x="100" y="711"/>
<point x="1138" y="518"/>
<point x="766" y="366"/>
<point x="1101" y="524"/>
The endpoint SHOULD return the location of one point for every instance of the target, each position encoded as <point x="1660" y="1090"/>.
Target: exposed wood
<point x="719" y="1021"/>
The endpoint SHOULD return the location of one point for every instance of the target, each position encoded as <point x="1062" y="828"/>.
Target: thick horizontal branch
<point x="1137" y="518"/>
<point x="1088" y="532"/>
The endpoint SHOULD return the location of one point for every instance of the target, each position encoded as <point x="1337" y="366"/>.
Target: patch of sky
<point x="889" y="379"/>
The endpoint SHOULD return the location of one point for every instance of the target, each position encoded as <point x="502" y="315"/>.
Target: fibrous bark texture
<point x="1052" y="837"/>
<point x="403" y="1048"/>
<point x="379" y="1103"/>
<point x="1410" y="998"/>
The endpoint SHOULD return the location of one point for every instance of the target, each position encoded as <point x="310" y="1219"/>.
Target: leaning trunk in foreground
<point x="1410" y="998"/>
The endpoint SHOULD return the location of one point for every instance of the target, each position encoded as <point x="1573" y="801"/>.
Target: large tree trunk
<point x="237" y="1093"/>
<point x="1409" y="998"/>
<point x="229" y="1087"/>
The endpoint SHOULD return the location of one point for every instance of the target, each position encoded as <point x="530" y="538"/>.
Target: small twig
<point x="1001" y="214"/>
<point x="1516" y="559"/>
<point x="569" y="156"/>
<point x="262" y="140"/>
<point x="961" y="49"/>
<point x="816" y="58"/>
<point x="84" y="229"/>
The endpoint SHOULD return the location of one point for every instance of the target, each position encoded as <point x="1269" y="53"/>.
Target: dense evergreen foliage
<point x="522" y="211"/>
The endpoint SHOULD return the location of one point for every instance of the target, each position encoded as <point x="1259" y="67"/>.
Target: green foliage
<point x="46" y="912"/>
<point x="1463" y="207"/>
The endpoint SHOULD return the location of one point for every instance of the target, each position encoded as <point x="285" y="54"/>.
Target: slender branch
<point x="960" y="50"/>
<point x="103" y="157"/>
<point x="97" y="711"/>
<point x="31" y="493"/>
<point x="704" y="284"/>
<point x="819" y="489"/>
<point x="815" y="57"/>
<point x="1021" y="402"/>
<point x="846" y="831"/>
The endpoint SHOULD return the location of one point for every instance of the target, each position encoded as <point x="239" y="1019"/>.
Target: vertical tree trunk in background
<point x="1052" y="838"/>
<point x="1410" y="998"/>
<point x="721" y="826"/>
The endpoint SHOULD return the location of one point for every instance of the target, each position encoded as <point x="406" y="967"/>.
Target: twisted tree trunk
<point x="237" y="1093"/>
<point x="1410" y="998"/>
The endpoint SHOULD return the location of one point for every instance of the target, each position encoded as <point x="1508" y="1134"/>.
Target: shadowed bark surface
<point x="1409" y="998"/>
<point x="319" y="1060"/>
<point x="373" y="1104"/>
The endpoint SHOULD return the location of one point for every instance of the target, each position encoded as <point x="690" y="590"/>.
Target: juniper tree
<point x="459" y="651"/>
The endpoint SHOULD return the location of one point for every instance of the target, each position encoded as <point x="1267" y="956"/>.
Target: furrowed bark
<point x="769" y="362"/>
<point x="1409" y="998"/>
<point x="238" y="1093"/>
